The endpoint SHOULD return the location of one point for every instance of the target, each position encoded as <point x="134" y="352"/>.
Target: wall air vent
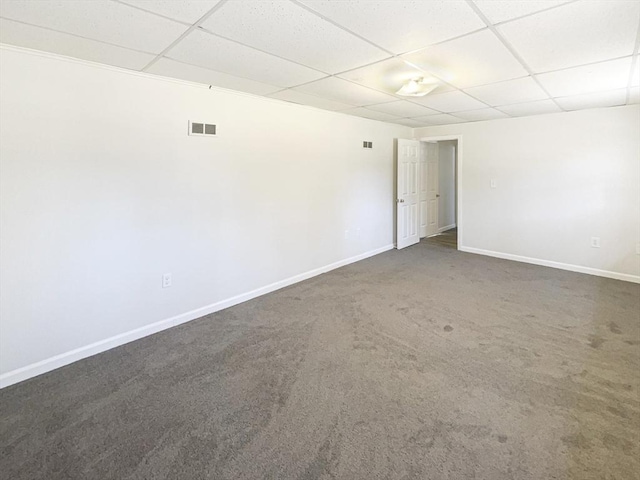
<point x="202" y="129"/>
<point x="367" y="144"/>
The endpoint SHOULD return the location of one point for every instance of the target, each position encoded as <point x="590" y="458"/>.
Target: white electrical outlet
<point x="595" y="242"/>
<point x="494" y="183"/>
<point x="166" y="280"/>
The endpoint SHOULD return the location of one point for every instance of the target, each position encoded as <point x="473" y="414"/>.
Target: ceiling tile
<point x="531" y="108"/>
<point x="342" y="91"/>
<point x="188" y="11"/>
<point x="23" y="35"/>
<point x="634" y="95"/>
<point x="481" y="114"/>
<point x="575" y="34"/>
<point x="450" y="102"/>
<point x="474" y="59"/>
<point x="388" y="76"/>
<point x="511" y="91"/>
<point x="635" y="80"/>
<point x="586" y="79"/>
<point x="370" y="114"/>
<point x="442" y="119"/>
<point x="170" y="68"/>
<point x="402" y="108"/>
<point x="311" y="100"/>
<point x="594" y="100"/>
<point x="401" y="26"/>
<point x="206" y="50"/>
<point x="292" y="32"/>
<point x="102" y="20"/>
<point x="502" y="10"/>
<point x="411" y="122"/>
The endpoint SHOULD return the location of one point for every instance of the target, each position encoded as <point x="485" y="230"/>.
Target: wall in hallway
<point x="447" y="184"/>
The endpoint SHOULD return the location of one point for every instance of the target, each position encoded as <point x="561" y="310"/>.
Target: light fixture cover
<point x="417" y="88"/>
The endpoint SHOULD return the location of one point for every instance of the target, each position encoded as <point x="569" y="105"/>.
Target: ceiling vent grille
<point x="202" y="129"/>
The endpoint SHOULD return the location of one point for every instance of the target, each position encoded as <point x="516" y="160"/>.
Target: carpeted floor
<point x="424" y="363"/>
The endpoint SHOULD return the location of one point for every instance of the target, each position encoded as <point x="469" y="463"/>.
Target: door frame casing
<point x="459" y="171"/>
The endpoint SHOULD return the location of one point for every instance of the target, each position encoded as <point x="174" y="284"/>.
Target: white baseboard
<point x="448" y="227"/>
<point x="548" y="263"/>
<point x="43" y="366"/>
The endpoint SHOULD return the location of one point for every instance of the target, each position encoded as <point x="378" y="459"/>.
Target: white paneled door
<point x="407" y="201"/>
<point x="422" y="186"/>
<point x="429" y="184"/>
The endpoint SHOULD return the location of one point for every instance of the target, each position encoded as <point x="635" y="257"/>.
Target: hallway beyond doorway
<point x="448" y="238"/>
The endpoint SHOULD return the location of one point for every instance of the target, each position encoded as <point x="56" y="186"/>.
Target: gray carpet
<point x="425" y="363"/>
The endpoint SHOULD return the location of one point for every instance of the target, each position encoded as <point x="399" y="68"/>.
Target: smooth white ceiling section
<point x="38" y="38"/>
<point x="403" y="108"/>
<point x="208" y="51"/>
<point x="102" y="20"/>
<point x="512" y="91"/>
<point x="343" y="91"/>
<point x="450" y="102"/>
<point x="481" y="114"/>
<point x="292" y="32"/>
<point x="311" y="100"/>
<point x="388" y="76"/>
<point x="187" y="11"/>
<point x="590" y="78"/>
<point x="519" y="57"/>
<point x="575" y="34"/>
<point x="171" y="68"/>
<point x="401" y="26"/>
<point x="502" y="10"/>
<point x="474" y="59"/>
<point x="531" y="108"/>
<point x="611" y="98"/>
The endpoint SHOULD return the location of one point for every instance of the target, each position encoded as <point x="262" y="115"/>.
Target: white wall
<point x="561" y="179"/>
<point x="447" y="184"/>
<point x="102" y="192"/>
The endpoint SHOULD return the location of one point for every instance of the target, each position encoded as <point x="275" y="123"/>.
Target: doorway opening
<point x="439" y="210"/>
<point x="428" y="193"/>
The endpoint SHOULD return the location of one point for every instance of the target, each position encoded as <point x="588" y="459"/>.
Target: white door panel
<point x="408" y="169"/>
<point x="432" y="194"/>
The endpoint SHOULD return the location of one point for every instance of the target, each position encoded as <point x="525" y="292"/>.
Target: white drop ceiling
<point x="493" y="58"/>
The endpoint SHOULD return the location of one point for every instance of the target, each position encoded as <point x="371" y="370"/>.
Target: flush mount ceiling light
<point x="418" y="87"/>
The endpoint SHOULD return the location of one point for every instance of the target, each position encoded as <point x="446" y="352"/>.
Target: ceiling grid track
<point x="512" y="50"/>
<point x="183" y="36"/>
<point x="328" y="20"/>
<point x="186" y="24"/>
<point x="119" y="39"/>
